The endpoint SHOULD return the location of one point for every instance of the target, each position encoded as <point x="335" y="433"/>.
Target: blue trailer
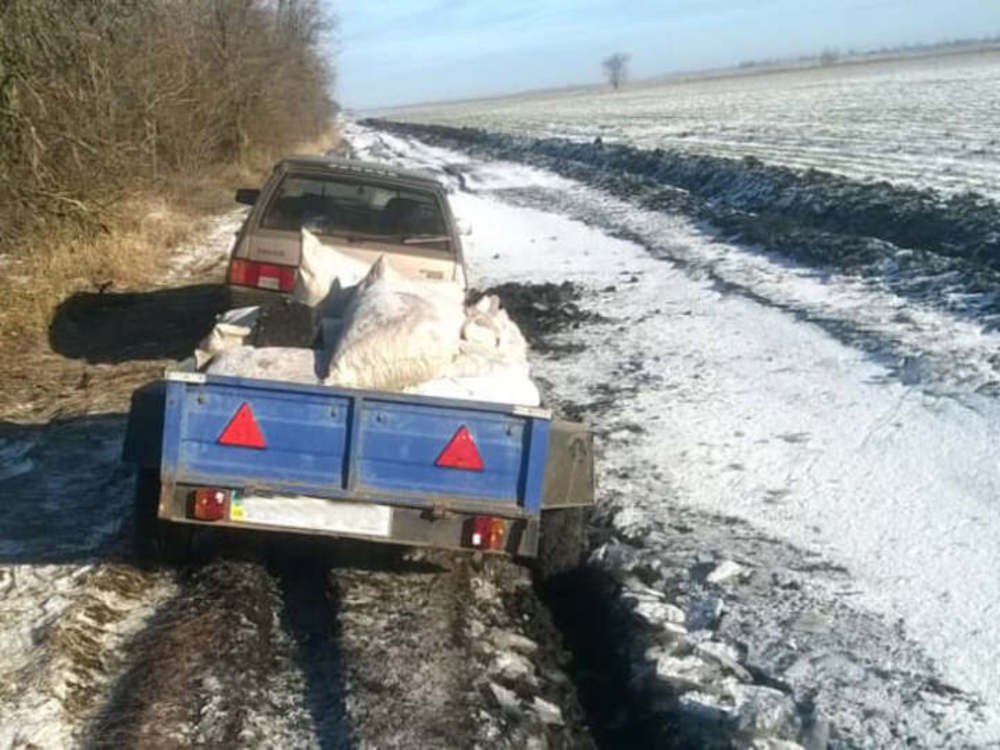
<point x="271" y="456"/>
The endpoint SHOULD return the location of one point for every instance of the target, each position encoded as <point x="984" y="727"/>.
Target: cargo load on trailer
<point x="385" y="332"/>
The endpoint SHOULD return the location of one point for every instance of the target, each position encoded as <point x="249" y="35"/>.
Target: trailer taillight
<point x="487" y="532"/>
<point x="210" y="503"/>
<point x="262" y="275"/>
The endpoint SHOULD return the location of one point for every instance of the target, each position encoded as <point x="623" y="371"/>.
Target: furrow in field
<point x="928" y="311"/>
<point x="926" y="122"/>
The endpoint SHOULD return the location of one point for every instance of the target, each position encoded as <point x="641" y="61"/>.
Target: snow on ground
<point x="69" y="601"/>
<point x="209" y="250"/>
<point x="944" y="347"/>
<point x="924" y="346"/>
<point x="63" y="628"/>
<point x="66" y="611"/>
<point x="717" y="399"/>
<point x="751" y="412"/>
<point x="926" y="122"/>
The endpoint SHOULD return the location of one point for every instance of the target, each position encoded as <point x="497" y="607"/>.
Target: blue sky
<point x="406" y="51"/>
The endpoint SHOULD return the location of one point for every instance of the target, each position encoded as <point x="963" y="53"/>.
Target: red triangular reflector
<point x="461" y="453"/>
<point x="243" y="430"/>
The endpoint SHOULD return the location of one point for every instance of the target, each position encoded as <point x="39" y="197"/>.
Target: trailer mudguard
<point x="569" y="467"/>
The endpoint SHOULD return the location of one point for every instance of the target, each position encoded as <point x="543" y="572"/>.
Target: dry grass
<point x="140" y="231"/>
<point x="63" y="262"/>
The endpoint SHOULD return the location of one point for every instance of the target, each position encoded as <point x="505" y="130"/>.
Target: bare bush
<point x="102" y="97"/>
<point x="616" y="69"/>
<point x="829" y="56"/>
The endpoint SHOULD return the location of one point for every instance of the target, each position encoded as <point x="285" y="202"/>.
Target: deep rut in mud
<point x="289" y="642"/>
<point x="213" y="666"/>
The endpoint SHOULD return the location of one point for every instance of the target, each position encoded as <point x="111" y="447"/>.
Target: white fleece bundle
<point x="401" y="334"/>
<point x="324" y="270"/>
<point x="491" y="364"/>
<point x="397" y="332"/>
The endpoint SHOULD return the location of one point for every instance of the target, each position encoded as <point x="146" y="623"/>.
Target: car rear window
<point x="334" y="205"/>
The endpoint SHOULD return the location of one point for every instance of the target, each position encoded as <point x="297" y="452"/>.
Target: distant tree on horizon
<point x="829" y="56"/>
<point x="616" y="69"/>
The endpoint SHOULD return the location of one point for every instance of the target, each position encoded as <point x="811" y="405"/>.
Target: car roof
<point x="355" y="166"/>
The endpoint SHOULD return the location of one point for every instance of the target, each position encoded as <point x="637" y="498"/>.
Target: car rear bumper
<point x="244" y="296"/>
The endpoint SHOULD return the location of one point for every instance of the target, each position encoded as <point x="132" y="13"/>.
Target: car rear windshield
<point x="336" y="205"/>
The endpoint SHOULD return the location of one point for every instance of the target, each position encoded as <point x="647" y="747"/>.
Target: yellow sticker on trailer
<point x="236" y="511"/>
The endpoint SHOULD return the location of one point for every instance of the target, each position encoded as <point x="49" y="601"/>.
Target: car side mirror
<point x="247" y="196"/>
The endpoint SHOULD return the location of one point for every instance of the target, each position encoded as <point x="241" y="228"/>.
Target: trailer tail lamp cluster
<point x="210" y="503"/>
<point x="262" y="275"/>
<point x="487" y="533"/>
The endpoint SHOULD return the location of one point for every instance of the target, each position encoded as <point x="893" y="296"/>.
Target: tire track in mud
<point x="213" y="666"/>
<point x="310" y="604"/>
<point x="332" y="645"/>
<point x="406" y="656"/>
<point x="441" y="652"/>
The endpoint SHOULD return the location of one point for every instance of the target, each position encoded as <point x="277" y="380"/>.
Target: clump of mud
<point x="542" y="310"/>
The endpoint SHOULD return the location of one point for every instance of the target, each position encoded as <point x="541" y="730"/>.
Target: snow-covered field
<point x="929" y="122"/>
<point x="728" y="401"/>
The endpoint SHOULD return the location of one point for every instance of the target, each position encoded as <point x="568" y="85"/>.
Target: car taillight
<point x="210" y="503"/>
<point x="487" y="532"/>
<point x="262" y="275"/>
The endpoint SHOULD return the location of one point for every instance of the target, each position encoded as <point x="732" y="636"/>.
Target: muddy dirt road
<point x="271" y="643"/>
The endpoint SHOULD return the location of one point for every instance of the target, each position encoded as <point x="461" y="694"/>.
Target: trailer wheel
<point x="154" y="541"/>
<point x="563" y="541"/>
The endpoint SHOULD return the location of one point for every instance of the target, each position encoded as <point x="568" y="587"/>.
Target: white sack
<point x="491" y="364"/>
<point x="270" y="363"/>
<point x="489" y="326"/>
<point x="231" y="330"/>
<point x="512" y="386"/>
<point x="491" y="343"/>
<point x="321" y="267"/>
<point x="397" y="332"/>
